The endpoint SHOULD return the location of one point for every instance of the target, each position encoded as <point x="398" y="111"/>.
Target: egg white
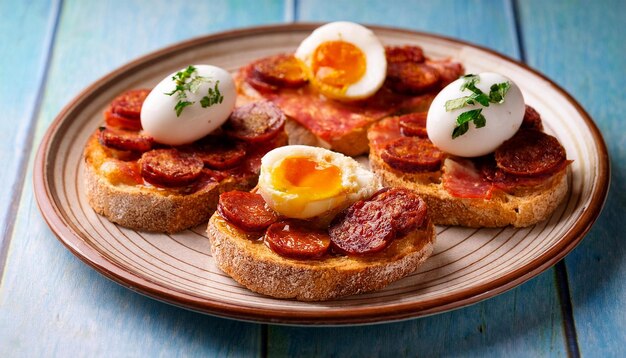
<point x="356" y="182"/>
<point x="359" y="36"/>
<point x="158" y="117"/>
<point x="502" y="120"/>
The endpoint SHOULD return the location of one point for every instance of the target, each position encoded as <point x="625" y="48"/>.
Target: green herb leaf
<point x="460" y="130"/>
<point x="180" y="106"/>
<point x="456" y="103"/>
<point x="462" y="121"/>
<point x="498" y="91"/>
<point x="470" y="81"/>
<point x="213" y="96"/>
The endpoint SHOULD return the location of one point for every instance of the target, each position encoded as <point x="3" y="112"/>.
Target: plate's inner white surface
<point x="463" y="258"/>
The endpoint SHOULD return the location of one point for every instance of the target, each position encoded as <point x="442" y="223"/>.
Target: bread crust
<point x="523" y="208"/>
<point x="254" y="265"/>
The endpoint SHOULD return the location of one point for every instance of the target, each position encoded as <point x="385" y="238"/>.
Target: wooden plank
<point x="24" y="39"/>
<point x="580" y="45"/>
<point x="51" y="304"/>
<point x="524" y="321"/>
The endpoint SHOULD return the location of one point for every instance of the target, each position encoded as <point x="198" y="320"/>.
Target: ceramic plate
<point x="468" y="265"/>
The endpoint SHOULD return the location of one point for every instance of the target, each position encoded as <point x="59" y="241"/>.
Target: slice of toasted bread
<point x="145" y="207"/>
<point x="254" y="265"/>
<point x="522" y="208"/>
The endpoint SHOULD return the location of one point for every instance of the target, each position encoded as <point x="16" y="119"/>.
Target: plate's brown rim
<point x="143" y="285"/>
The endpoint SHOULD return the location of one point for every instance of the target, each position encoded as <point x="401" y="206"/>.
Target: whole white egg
<point x="502" y="120"/>
<point x="343" y="60"/>
<point x="158" y="114"/>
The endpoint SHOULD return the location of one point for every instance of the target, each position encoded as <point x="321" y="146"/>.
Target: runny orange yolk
<point x="307" y="178"/>
<point x="338" y="64"/>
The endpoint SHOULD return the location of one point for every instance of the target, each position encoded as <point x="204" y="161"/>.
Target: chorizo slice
<point x="255" y="122"/>
<point x="281" y="70"/>
<point x="408" y="210"/>
<point x="114" y="120"/>
<point x="295" y="239"/>
<point x="247" y="211"/>
<point x="412" y="155"/>
<point x="170" y="167"/>
<point x="125" y="110"/>
<point x="121" y="139"/>
<point x="411" y="78"/>
<point x="530" y="153"/>
<point x="219" y="152"/>
<point x="408" y="53"/>
<point x="532" y="119"/>
<point x="414" y="125"/>
<point x="129" y="103"/>
<point x="449" y="71"/>
<point x="364" y="227"/>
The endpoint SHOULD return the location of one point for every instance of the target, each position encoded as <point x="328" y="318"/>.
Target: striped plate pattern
<point x="467" y="265"/>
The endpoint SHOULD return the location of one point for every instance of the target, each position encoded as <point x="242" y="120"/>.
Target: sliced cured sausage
<point x="125" y="140"/>
<point x="368" y="226"/>
<point x="411" y="78"/>
<point x="462" y="179"/>
<point x="295" y="239"/>
<point x="219" y="152"/>
<point x="449" y="71"/>
<point x="365" y="227"/>
<point x="414" y="125"/>
<point x="170" y="167"/>
<point x="245" y="210"/>
<point x="532" y="119"/>
<point x="396" y="54"/>
<point x="129" y="103"/>
<point x="408" y="210"/>
<point x="281" y="70"/>
<point x="255" y="122"/>
<point x="530" y="153"/>
<point x="125" y="110"/>
<point x="412" y="155"/>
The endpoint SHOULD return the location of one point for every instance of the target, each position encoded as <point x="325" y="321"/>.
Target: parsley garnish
<point x="496" y="95"/>
<point x="187" y="81"/>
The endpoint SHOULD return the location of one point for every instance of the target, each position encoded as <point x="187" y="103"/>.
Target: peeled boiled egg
<point x="303" y="182"/>
<point x="343" y="60"/>
<point x="211" y="96"/>
<point x="502" y="120"/>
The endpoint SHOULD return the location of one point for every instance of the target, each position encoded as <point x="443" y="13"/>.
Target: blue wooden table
<point x="51" y="304"/>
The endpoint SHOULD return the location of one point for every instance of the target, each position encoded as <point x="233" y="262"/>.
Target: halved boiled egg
<point x="502" y="120"/>
<point x="207" y="95"/>
<point x="343" y="60"/>
<point x="303" y="182"/>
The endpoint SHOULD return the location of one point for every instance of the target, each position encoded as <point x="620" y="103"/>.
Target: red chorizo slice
<point x="530" y="153"/>
<point x="412" y="155"/>
<point x="294" y="239"/>
<point x="219" y="152"/>
<point x="395" y="54"/>
<point x="170" y="167"/>
<point x="245" y="210"/>
<point x="365" y="227"/>
<point x="532" y="119"/>
<point x="125" y="140"/>
<point x="129" y="103"/>
<point x="408" y="210"/>
<point x="114" y="120"/>
<point x="411" y="78"/>
<point x="255" y="122"/>
<point x="414" y="125"/>
<point x="281" y="70"/>
<point x="449" y="71"/>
